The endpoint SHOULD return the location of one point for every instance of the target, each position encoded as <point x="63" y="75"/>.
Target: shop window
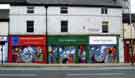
<point x="103" y="53"/>
<point x="30" y="9"/>
<point x="64" y="26"/>
<point x="104" y="10"/>
<point x="105" y="27"/>
<point x="30" y="26"/>
<point x="67" y="54"/>
<point x="64" y="10"/>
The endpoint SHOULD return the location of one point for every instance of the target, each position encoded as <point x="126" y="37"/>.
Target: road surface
<point x="68" y="72"/>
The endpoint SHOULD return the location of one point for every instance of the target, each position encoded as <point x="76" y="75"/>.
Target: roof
<point x="114" y="3"/>
<point x="77" y="2"/>
<point x="12" y="1"/>
<point x="4" y="14"/>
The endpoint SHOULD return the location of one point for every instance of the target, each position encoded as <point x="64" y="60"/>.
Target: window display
<point x="66" y="54"/>
<point x="3" y="49"/>
<point x="67" y="49"/>
<point x="27" y="49"/>
<point x="103" y="54"/>
<point x="103" y="49"/>
<point x="27" y="54"/>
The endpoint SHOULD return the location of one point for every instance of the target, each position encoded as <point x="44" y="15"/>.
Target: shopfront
<point x="67" y="49"/>
<point x="27" y="49"/>
<point x="3" y="49"/>
<point x="128" y="50"/>
<point x="103" y="49"/>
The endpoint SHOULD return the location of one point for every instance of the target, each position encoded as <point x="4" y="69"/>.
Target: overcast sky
<point x="133" y="6"/>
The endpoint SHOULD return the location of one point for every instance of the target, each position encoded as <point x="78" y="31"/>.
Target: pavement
<point x="66" y="65"/>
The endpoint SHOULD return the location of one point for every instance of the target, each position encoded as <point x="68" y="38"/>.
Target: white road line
<point x="68" y="68"/>
<point x="18" y="75"/>
<point x="96" y="74"/>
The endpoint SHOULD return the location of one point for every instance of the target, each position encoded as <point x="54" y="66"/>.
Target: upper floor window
<point x="64" y="26"/>
<point x="30" y="9"/>
<point x="105" y="26"/>
<point x="104" y="11"/>
<point x="63" y="10"/>
<point x="30" y="26"/>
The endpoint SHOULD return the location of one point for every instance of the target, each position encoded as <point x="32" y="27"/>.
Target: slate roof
<point x="77" y="2"/>
<point x="67" y="2"/>
<point x="12" y="1"/>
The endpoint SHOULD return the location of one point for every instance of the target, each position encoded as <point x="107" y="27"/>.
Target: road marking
<point x="69" y="68"/>
<point x="96" y="74"/>
<point x="18" y="75"/>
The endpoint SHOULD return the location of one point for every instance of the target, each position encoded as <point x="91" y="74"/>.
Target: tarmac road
<point x="68" y="72"/>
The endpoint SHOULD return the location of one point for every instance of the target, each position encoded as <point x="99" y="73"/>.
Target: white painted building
<point x="81" y="20"/>
<point x="69" y="18"/>
<point x="21" y="20"/>
<point x="85" y="20"/>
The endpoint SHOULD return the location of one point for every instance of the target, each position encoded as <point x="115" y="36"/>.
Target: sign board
<point x="102" y="40"/>
<point x="28" y="40"/>
<point x="67" y="40"/>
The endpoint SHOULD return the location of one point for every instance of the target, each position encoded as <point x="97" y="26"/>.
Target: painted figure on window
<point x="103" y="54"/>
<point x="82" y="55"/>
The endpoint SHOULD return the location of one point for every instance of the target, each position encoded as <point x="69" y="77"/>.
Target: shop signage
<point x="62" y="40"/>
<point x="27" y="49"/>
<point x="28" y="40"/>
<point x="102" y="40"/>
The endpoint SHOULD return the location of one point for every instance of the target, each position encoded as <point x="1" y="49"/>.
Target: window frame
<point x="105" y="27"/>
<point x="64" y="10"/>
<point x="30" y="26"/>
<point x="30" y="9"/>
<point x="104" y="10"/>
<point x="64" y="26"/>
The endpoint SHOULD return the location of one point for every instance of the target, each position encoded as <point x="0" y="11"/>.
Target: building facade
<point x="89" y="21"/>
<point x="75" y="31"/>
<point x="27" y="40"/>
<point x="4" y="24"/>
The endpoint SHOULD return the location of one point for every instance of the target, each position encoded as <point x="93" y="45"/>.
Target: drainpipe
<point x="132" y="41"/>
<point x="46" y="9"/>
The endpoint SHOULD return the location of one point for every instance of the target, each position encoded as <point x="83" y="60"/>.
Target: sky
<point x="133" y="6"/>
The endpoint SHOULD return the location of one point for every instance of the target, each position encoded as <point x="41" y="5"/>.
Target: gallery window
<point x="105" y="26"/>
<point x="64" y="10"/>
<point x="104" y="11"/>
<point x="64" y="26"/>
<point x="30" y="26"/>
<point x="30" y="9"/>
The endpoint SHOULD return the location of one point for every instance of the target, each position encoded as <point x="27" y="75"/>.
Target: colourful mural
<point x="103" y="54"/>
